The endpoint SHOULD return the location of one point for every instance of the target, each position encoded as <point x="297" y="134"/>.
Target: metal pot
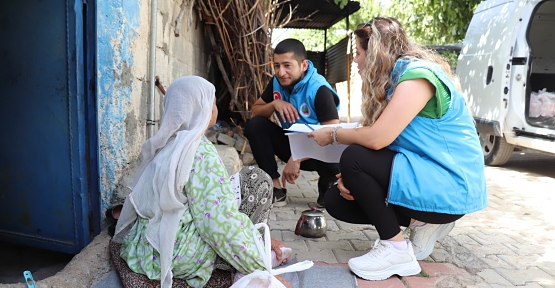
<point x="311" y="224"/>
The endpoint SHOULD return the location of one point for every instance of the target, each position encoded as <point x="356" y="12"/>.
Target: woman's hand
<point x="276" y="245"/>
<point x="344" y="192"/>
<point x="322" y="136"/>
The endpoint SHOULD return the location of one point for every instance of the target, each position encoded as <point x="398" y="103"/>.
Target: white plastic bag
<point x="548" y="103"/>
<point x="266" y="279"/>
<point x="535" y="109"/>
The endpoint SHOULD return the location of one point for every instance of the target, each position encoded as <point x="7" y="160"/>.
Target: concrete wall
<point x="123" y="29"/>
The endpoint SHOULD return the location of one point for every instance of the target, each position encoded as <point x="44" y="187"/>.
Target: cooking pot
<point x="311" y="224"/>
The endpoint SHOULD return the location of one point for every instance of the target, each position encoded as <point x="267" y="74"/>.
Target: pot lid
<point x="313" y="212"/>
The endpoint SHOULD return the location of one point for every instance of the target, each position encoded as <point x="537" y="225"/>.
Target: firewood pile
<point x="240" y="36"/>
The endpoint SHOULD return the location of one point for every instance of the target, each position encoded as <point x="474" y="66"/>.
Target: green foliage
<point x="426" y="21"/>
<point x="434" y="21"/>
<point x="341" y="3"/>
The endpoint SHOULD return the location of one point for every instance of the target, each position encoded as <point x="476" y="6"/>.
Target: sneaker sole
<point x="440" y="234"/>
<point x="280" y="203"/>
<point x="407" y="269"/>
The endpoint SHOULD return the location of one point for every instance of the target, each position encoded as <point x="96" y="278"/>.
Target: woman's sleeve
<point x="214" y="208"/>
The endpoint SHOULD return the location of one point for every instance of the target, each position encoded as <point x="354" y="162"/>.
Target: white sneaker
<point x="424" y="237"/>
<point x="384" y="261"/>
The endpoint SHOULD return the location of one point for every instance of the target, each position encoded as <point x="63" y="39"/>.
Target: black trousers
<point x="268" y="139"/>
<point x="366" y="173"/>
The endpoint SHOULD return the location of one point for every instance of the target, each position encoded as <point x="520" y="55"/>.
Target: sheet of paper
<point x="304" y="147"/>
<point x="306" y="128"/>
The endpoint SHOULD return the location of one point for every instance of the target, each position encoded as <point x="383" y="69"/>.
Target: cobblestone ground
<point x="511" y="243"/>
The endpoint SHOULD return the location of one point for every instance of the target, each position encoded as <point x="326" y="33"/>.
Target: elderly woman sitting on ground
<point x="185" y="215"/>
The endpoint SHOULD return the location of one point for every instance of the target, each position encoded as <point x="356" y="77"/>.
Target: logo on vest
<point x="305" y="111"/>
<point x="277" y="96"/>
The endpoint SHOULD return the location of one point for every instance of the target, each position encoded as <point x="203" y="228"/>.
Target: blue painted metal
<point x="46" y="149"/>
<point x="117" y="24"/>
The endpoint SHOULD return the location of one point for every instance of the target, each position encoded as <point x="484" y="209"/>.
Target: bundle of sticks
<point x="240" y="35"/>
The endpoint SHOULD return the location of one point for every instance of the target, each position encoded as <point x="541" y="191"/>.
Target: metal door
<point x="48" y="169"/>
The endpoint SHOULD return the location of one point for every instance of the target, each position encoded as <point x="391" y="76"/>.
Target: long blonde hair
<point x="385" y="41"/>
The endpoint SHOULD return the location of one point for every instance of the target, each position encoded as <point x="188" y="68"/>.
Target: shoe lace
<point x="377" y="248"/>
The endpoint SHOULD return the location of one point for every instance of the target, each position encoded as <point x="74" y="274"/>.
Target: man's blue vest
<point x="303" y="95"/>
<point x="439" y="166"/>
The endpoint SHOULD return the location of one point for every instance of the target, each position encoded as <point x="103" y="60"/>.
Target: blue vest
<point x="439" y="166"/>
<point x="303" y="95"/>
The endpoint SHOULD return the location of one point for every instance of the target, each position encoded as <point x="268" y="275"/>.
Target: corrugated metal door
<point x="47" y="166"/>
<point x="337" y="62"/>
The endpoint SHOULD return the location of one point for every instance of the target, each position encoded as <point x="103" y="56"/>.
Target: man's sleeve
<point x="268" y="94"/>
<point x="325" y="104"/>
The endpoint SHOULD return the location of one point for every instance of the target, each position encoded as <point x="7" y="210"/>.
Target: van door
<point x="484" y="65"/>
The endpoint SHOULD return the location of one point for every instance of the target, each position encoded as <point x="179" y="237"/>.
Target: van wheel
<point x="496" y="150"/>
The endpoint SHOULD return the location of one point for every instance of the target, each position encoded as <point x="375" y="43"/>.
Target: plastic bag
<point x="266" y="279"/>
<point x="548" y="103"/>
<point x="535" y="105"/>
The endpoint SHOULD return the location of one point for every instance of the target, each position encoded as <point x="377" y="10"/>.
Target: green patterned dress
<point x="211" y="226"/>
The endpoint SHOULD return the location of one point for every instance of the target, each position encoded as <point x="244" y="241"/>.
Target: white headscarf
<point x="167" y="160"/>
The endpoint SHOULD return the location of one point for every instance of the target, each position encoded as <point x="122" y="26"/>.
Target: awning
<point x="320" y="14"/>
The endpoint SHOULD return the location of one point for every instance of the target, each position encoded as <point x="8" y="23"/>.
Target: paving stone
<point x="287" y="215"/>
<point x="352" y="227"/>
<point x="299" y="199"/>
<point x="290" y="236"/>
<point x="482" y="251"/>
<point x="341" y="235"/>
<point x="494" y="262"/>
<point x="294" y="193"/>
<point x="420" y="282"/>
<point x="483" y="239"/>
<point x="296" y="246"/>
<point x="332" y="226"/>
<point x="391" y="282"/>
<point x="362" y="245"/>
<point x="520" y="277"/>
<point x="465" y="240"/>
<point x="284" y="225"/>
<point x="324" y="256"/>
<point x="343" y="256"/>
<point x="276" y="234"/>
<point x="371" y="234"/>
<point x="329" y="245"/>
<point x="310" y="193"/>
<point x="439" y="255"/>
<point x="526" y="248"/>
<point x="492" y="277"/>
<point x="520" y="262"/>
<point x="436" y="269"/>
<point x="480" y="285"/>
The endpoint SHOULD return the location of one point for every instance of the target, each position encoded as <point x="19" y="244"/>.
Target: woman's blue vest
<point x="303" y="95"/>
<point x="439" y="166"/>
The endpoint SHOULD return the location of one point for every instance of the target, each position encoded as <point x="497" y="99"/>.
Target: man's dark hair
<point x="292" y="45"/>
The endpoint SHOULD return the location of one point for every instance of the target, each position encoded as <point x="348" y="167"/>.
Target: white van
<point x="507" y="68"/>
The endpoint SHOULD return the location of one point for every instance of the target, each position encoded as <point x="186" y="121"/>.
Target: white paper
<point x="304" y="147"/>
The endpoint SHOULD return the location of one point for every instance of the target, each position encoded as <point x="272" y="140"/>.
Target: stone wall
<point x="123" y="29"/>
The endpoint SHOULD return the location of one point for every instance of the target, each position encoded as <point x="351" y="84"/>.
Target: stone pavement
<point x="511" y="243"/>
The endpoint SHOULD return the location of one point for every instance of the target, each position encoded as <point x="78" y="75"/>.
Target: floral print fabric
<point x="211" y="226"/>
